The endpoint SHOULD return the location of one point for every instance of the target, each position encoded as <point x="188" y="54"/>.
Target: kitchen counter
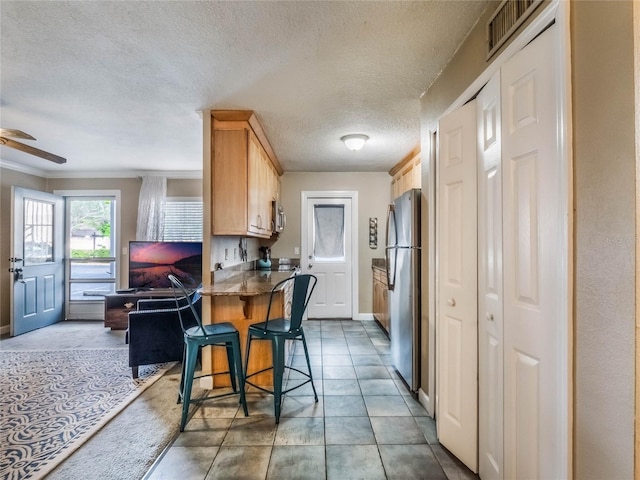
<point x="243" y="298"/>
<point x="246" y="284"/>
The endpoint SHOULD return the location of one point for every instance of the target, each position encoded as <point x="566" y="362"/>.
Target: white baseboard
<point x="423" y="398"/>
<point x="363" y="316"/>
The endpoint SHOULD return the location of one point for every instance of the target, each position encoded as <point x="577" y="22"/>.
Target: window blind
<point x="183" y="221"/>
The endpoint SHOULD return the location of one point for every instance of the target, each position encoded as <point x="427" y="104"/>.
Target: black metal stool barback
<point x="277" y="331"/>
<point x="218" y="334"/>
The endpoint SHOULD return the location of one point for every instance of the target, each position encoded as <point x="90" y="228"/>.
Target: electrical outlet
<point x="296" y="250"/>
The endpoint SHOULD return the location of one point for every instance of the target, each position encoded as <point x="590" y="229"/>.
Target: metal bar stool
<point x="217" y="335"/>
<point x="277" y="331"/>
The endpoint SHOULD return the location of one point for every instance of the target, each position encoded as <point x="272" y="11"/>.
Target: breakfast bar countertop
<point x="247" y="284"/>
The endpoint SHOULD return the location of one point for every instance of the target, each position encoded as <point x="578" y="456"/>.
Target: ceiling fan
<point x="4" y="132"/>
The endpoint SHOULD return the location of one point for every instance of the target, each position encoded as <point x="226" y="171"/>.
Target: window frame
<point x="92" y="308"/>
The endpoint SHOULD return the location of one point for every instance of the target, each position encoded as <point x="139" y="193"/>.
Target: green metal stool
<point x="277" y="331"/>
<point x="219" y="334"/>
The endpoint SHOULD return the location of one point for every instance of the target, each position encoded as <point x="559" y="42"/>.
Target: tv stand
<point x="118" y="305"/>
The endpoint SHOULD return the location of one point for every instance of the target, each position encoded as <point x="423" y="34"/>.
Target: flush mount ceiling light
<point x="355" y="141"/>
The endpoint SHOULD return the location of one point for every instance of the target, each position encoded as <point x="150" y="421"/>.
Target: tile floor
<point x="365" y="425"/>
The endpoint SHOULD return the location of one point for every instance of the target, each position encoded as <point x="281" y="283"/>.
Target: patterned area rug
<point x="53" y="401"/>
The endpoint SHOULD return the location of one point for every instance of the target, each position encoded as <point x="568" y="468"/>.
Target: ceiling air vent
<point x="506" y="19"/>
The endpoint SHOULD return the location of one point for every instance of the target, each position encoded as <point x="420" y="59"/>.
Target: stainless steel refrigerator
<point x="403" y="276"/>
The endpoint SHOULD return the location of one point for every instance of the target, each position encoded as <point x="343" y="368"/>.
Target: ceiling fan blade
<point x="32" y="150"/>
<point x="8" y="132"/>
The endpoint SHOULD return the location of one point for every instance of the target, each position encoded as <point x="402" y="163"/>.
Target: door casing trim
<point x="353" y="195"/>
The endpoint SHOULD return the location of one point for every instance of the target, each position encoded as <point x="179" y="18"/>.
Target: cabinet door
<point x="254" y="189"/>
<point x="384" y="306"/>
<point x="229" y="182"/>
<point x="416" y="173"/>
<point x="274" y="192"/>
<point x="265" y="202"/>
<point x="376" y="297"/>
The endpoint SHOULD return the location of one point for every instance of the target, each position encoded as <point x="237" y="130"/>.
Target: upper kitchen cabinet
<point x="245" y="175"/>
<point x="406" y="174"/>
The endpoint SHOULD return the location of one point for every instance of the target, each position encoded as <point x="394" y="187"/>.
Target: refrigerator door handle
<point x="391" y="278"/>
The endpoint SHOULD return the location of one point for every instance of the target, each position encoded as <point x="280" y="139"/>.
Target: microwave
<point x="279" y="217"/>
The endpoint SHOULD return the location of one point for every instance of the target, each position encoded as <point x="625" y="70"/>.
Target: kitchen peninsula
<point x="243" y="299"/>
<point x="241" y="188"/>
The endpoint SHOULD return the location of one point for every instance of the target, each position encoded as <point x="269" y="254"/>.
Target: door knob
<point x="18" y="275"/>
<point x="451" y="302"/>
<point x="490" y="316"/>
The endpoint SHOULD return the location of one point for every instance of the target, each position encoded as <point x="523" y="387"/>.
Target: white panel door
<point x="457" y="323"/>
<point x="490" y="330"/>
<point x="535" y="200"/>
<point x="327" y="254"/>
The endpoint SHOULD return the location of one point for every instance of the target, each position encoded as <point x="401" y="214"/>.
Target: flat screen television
<point x="150" y="263"/>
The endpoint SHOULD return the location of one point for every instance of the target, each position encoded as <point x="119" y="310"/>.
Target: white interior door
<point x="490" y="329"/>
<point x="37" y="260"/>
<point x="327" y="253"/>
<point x="457" y="302"/>
<point x="536" y="246"/>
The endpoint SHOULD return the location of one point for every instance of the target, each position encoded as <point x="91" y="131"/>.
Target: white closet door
<point x="457" y="302"/>
<point x="535" y="201"/>
<point x="490" y="328"/>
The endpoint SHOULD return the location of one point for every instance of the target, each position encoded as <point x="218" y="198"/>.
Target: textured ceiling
<point x="116" y="85"/>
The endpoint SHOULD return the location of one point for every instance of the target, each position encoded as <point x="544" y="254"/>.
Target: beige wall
<point x="373" y="197"/>
<point x="129" y="190"/>
<point x="604" y="242"/>
<point x="604" y="176"/>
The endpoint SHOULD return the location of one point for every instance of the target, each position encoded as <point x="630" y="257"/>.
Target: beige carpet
<point x="128" y="445"/>
<point x="53" y="401"/>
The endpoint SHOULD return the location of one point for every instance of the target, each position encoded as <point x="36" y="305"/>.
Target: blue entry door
<point x="37" y="260"/>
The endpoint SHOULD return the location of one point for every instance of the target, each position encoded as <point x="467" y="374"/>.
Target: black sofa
<point x="154" y="334"/>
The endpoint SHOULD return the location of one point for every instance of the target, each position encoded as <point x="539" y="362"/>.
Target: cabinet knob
<point x="451" y="302"/>
<point x="490" y="316"/>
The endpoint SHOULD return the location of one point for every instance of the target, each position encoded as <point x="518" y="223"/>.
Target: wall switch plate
<point x="296" y="250"/>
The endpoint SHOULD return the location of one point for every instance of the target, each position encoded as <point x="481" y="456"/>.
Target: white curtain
<point x="151" y="204"/>
<point x="328" y="242"/>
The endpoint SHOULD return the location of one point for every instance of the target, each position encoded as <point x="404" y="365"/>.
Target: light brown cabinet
<point x="245" y="175"/>
<point x="380" y="295"/>
<point x="406" y="174"/>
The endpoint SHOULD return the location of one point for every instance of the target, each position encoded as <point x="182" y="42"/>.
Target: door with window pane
<point x="37" y="263"/>
<point x="327" y="255"/>
<point x="92" y="254"/>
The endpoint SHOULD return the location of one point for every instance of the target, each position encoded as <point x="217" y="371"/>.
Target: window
<point x="328" y="233"/>
<point x="183" y="220"/>
<point x="38" y="232"/>
<point x="92" y="260"/>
